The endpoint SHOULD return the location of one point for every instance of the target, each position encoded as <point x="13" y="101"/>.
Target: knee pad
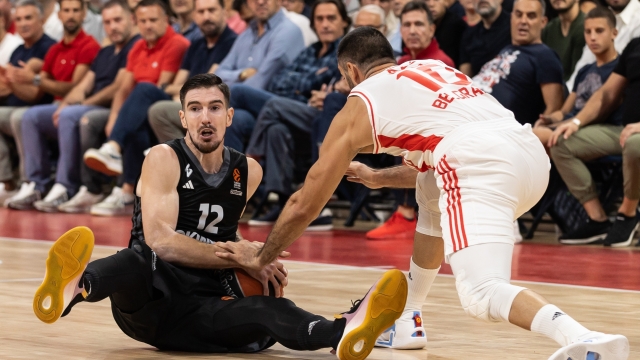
<point x="489" y="300"/>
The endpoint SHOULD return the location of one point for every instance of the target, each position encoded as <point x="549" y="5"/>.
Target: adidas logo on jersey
<point x="188" y="185"/>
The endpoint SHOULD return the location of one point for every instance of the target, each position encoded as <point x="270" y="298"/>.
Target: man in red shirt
<point x="151" y="66"/>
<point x="417" y="29"/>
<point x="64" y="66"/>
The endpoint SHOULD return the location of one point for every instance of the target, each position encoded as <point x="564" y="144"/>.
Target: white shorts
<point x="487" y="175"/>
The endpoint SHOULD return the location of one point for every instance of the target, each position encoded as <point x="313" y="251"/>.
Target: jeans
<point x="247" y="103"/>
<point x="132" y="131"/>
<point x="38" y="130"/>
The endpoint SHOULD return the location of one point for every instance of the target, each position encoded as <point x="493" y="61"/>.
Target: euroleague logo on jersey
<point x="236" y="182"/>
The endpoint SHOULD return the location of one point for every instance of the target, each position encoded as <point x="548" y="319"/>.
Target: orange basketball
<point x="250" y="286"/>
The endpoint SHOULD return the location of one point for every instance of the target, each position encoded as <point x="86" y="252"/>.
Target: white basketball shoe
<point x="406" y="334"/>
<point x="595" y="346"/>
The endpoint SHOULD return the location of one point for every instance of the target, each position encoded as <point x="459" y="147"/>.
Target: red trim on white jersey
<point x="376" y="143"/>
<point x="454" y="205"/>
<point x="411" y="142"/>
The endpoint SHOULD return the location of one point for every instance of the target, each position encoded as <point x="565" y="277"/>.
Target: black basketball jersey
<point x="210" y="204"/>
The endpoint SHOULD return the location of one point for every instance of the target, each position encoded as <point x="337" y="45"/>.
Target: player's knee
<point x="489" y="300"/>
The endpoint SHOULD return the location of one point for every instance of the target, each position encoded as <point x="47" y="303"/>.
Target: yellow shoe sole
<point x="68" y="258"/>
<point x="385" y="305"/>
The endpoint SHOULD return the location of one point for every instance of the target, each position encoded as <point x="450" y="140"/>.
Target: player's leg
<point x="483" y="274"/>
<point x="70" y="278"/>
<point x="428" y="252"/>
<point x="247" y="324"/>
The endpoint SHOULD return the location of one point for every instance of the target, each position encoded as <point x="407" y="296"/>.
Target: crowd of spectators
<point x="87" y="87"/>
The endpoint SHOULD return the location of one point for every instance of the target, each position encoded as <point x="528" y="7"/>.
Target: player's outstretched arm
<point x="350" y="132"/>
<point x="402" y="177"/>
<point x="157" y="190"/>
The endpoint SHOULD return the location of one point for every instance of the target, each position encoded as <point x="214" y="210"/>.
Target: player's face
<point x="328" y="23"/>
<point x="152" y="22"/>
<point x="71" y="15"/>
<point x="29" y="22"/>
<point x="416" y="31"/>
<point x="527" y="22"/>
<point x="206" y="118"/>
<point x="599" y="35"/>
<point x="118" y="24"/>
<point x="210" y="17"/>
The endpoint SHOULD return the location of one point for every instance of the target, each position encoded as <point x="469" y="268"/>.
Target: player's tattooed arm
<point x="401" y="176"/>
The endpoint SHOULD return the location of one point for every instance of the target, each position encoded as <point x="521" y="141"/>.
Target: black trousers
<point x="181" y="319"/>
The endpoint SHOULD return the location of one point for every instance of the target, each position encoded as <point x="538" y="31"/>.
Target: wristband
<point x="576" y="121"/>
<point x="37" y="80"/>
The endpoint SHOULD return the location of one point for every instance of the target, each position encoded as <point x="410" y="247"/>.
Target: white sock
<point x="420" y="281"/>
<point x="557" y="325"/>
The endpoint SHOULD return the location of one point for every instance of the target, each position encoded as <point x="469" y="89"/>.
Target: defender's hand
<point x="361" y="173"/>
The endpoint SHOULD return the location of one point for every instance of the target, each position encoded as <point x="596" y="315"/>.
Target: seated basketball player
<point x="169" y="289"/>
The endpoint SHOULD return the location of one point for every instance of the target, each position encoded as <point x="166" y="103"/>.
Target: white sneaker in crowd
<point x="106" y="160"/>
<point x="5" y="194"/>
<point x="56" y="196"/>
<point x="25" y="197"/>
<point x="117" y="203"/>
<point x="81" y="202"/>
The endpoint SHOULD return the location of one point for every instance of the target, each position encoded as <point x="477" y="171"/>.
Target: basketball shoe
<point x="397" y="226"/>
<point x="62" y="285"/>
<point x="368" y="317"/>
<point x="407" y="333"/>
<point x="595" y="346"/>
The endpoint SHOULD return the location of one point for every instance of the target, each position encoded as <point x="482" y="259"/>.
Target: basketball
<point x="250" y="286"/>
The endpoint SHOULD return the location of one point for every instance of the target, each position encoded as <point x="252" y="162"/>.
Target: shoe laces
<point x="354" y="306"/>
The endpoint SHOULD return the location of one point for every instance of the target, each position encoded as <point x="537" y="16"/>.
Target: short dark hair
<point x="341" y="9"/>
<point x="205" y="81"/>
<point x="365" y="47"/>
<point x="162" y="4"/>
<point x="82" y="2"/>
<point x="600" y="12"/>
<point x="543" y="5"/>
<point x="417" y="6"/>
<point x="113" y="3"/>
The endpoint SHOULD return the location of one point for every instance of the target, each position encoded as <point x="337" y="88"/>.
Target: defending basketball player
<point x="475" y="169"/>
<point x="168" y="288"/>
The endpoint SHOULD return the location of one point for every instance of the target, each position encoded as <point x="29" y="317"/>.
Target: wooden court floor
<point x="90" y="332"/>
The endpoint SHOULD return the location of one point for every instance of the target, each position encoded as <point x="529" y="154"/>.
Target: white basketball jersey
<point x="415" y="105"/>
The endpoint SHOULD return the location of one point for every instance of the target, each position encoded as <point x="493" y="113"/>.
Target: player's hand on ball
<point x="274" y="273"/>
<point x="361" y="173"/>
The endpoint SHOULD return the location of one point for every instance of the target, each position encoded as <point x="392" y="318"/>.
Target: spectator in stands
<point x="588" y="136"/>
<point x="151" y="66"/>
<point x="64" y="66"/>
<point x="628" y="25"/>
<point x="8" y="41"/>
<point x="417" y="27"/>
<point x="449" y="29"/>
<point x="370" y="15"/>
<point x="390" y="19"/>
<point x="59" y="122"/>
<point x="471" y="17"/>
<point x="29" y="20"/>
<point x="270" y="43"/>
<point x="482" y="42"/>
<point x="203" y="56"/>
<point x="526" y="76"/>
<point x="53" y="25"/>
<point x="304" y="24"/>
<point x="185" y="24"/>
<point x="588" y="5"/>
<point x="599" y="35"/>
<point x="565" y="34"/>
<point x="234" y="20"/>
<point x="395" y="38"/>
<point x="92" y="24"/>
<point x="285" y="118"/>
<point x="298" y="7"/>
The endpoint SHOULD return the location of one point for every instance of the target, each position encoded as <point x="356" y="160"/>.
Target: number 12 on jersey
<point x="205" y="209"/>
